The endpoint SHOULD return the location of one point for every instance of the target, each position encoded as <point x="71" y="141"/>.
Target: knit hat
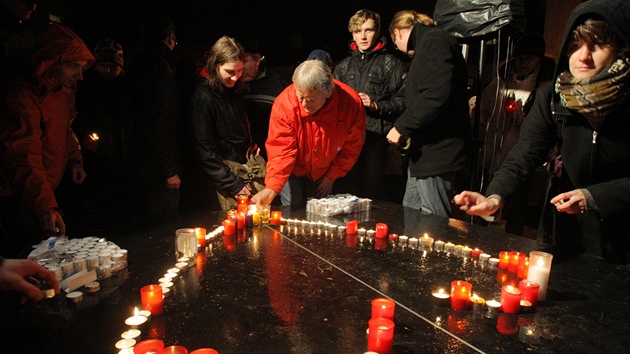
<point x="530" y="44"/>
<point x="322" y="56"/>
<point x="109" y="50"/>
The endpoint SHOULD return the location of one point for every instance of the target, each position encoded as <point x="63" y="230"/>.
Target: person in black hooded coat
<point x="585" y="112"/>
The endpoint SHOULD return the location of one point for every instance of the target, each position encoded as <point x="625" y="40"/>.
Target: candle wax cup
<point x="381" y="335"/>
<point x="539" y="271"/>
<point x="529" y="291"/>
<point x="510" y="299"/>
<point x="441" y="298"/>
<point x="383" y="308"/>
<point x="131" y="334"/>
<point x="460" y="294"/>
<point x="152" y="299"/>
<point x="504" y="260"/>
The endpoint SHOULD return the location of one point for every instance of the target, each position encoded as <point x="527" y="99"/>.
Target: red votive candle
<point x="504" y="260"/>
<point x="151" y="297"/>
<point x="200" y="232"/>
<point x="381" y="230"/>
<point x="148" y="346"/>
<point x="523" y="266"/>
<point x="242" y="203"/>
<point x="383" y="308"/>
<point x="352" y="227"/>
<point x="204" y="351"/>
<point x="276" y="217"/>
<point x="460" y="294"/>
<point x="229" y="227"/>
<point x="241" y="221"/>
<point x="381" y="336"/>
<point x="513" y="266"/>
<point x="476" y="252"/>
<point x="380" y="244"/>
<point x="529" y="291"/>
<point x="173" y="349"/>
<point x="510" y="299"/>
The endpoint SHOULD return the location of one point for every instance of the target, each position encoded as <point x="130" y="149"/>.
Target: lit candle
<point x="181" y="265"/>
<point x="200" y="232"/>
<point x="413" y="242"/>
<point x="370" y="233"/>
<point x="352" y="227"/>
<point x="504" y="260"/>
<point x="125" y="343"/>
<point x="523" y="266"/>
<point x="276" y="217"/>
<point x="449" y="247"/>
<point x="529" y="291"/>
<point x="152" y="300"/>
<point x="476" y="253"/>
<point x="381" y="335"/>
<point x="477" y="302"/>
<point x="240" y="221"/>
<point x="510" y="299"/>
<point x="539" y="270"/>
<point x="148" y="346"/>
<point x="484" y="257"/>
<point x="174" y="349"/>
<point x="204" y="351"/>
<point x="441" y="298"/>
<point x="460" y="294"/>
<point x="393" y="237"/>
<point x="242" y="203"/>
<point x="493" y="306"/>
<point x="136" y="320"/>
<point x="438" y="245"/>
<point x="130" y="334"/>
<point x="229" y="227"/>
<point x="426" y="241"/>
<point x="513" y="266"/>
<point x="526" y="306"/>
<point x="383" y="308"/>
<point x="466" y="251"/>
<point x="381" y="230"/>
<point x="256" y="218"/>
<point x="94" y="137"/>
<point x="457" y="250"/>
<point x="361" y="231"/>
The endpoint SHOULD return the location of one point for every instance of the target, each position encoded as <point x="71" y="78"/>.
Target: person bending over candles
<point x="586" y="113"/>
<point x="316" y="133"/>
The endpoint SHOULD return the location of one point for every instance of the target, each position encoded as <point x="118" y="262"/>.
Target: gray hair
<point x="313" y="75"/>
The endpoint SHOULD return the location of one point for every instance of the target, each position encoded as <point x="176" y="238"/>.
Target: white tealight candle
<point x="135" y="320"/>
<point x="181" y="265"/>
<point x="484" y="257"/>
<point x="125" y="343"/>
<point x="438" y="245"/>
<point x="413" y="242"/>
<point x="173" y="271"/>
<point x="131" y="334"/>
<point x="402" y="239"/>
<point x="426" y="241"/>
<point x="493" y="305"/>
<point x="362" y="231"/>
<point x="166" y="284"/>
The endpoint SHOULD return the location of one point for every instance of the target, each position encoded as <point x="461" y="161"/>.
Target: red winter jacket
<point x="325" y="144"/>
<point x="37" y="140"/>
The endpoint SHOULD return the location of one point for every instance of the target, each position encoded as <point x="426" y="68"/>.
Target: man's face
<point x="525" y="64"/>
<point x="230" y="72"/>
<point x="108" y="70"/>
<point x="69" y="73"/>
<point x="312" y="101"/>
<point x="250" y="67"/>
<point x="22" y="9"/>
<point x="366" y="35"/>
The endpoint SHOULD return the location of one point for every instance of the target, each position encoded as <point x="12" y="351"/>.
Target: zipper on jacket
<point x="593" y="153"/>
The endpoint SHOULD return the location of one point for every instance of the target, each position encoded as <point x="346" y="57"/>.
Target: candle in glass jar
<point x="148" y="346"/>
<point x="241" y="221"/>
<point x="229" y="227"/>
<point x="438" y="245"/>
<point x="523" y="266"/>
<point x="529" y="291"/>
<point x="381" y="335"/>
<point x="383" y="308"/>
<point x="381" y="230"/>
<point x="539" y="270"/>
<point x="476" y="253"/>
<point x="276" y="217"/>
<point x="426" y="241"/>
<point x="513" y="265"/>
<point x="510" y="299"/>
<point x="200" y="232"/>
<point x="460" y="294"/>
<point x="449" y="247"/>
<point x="352" y="227"/>
<point x="504" y="259"/>
<point x="242" y="203"/>
<point x="152" y="300"/>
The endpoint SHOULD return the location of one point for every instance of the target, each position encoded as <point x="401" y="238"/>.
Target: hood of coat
<point x="56" y="45"/>
<point x="615" y="12"/>
<point x="378" y="46"/>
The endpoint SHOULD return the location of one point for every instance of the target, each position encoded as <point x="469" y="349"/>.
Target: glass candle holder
<point x="381" y="335"/>
<point x="185" y="243"/>
<point x="383" y="308"/>
<point x="539" y="270"/>
<point x="152" y="299"/>
<point x="460" y="294"/>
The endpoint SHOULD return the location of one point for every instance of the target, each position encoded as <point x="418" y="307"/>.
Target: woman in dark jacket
<point x="586" y="111"/>
<point x="220" y="130"/>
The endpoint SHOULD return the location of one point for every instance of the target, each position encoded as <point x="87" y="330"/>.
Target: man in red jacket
<point x="37" y="142"/>
<point x="316" y="133"/>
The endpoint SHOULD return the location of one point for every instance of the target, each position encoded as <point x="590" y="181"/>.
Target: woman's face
<point x="586" y="61"/>
<point x="230" y="72"/>
<point x="401" y="39"/>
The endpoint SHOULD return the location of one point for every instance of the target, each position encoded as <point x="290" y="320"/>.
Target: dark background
<point x="286" y="30"/>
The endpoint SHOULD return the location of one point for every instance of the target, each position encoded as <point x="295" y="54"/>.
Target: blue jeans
<point x="431" y="194"/>
<point x="297" y="190"/>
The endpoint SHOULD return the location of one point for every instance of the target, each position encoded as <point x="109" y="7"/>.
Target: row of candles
<point x="248" y="215"/>
<point x="152" y="300"/>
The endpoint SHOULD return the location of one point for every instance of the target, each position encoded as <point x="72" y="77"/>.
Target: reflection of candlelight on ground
<point x="506" y="324"/>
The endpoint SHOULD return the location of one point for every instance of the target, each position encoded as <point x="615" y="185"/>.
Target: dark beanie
<point x="530" y="44"/>
<point x="109" y="50"/>
<point x="321" y="55"/>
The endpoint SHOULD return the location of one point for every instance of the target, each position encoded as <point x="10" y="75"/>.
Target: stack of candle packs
<point x="338" y="205"/>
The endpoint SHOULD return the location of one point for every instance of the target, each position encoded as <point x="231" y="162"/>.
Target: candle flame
<point x="135" y="312"/>
<point x="425" y="235"/>
<point x="541" y="262"/>
<point x="509" y="288"/>
<point x="94" y="136"/>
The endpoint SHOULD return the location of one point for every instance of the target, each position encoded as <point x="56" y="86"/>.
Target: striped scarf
<point x="597" y="97"/>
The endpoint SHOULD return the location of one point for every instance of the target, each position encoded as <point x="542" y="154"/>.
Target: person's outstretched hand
<point x="14" y="274"/>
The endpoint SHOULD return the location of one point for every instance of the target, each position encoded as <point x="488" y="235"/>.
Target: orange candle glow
<point x="200" y="232"/>
<point x="276" y="217"/>
<point x="504" y="260"/>
<point x="152" y="300"/>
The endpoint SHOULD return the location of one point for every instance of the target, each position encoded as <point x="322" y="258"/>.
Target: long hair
<point x="225" y="50"/>
<point x="408" y="19"/>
